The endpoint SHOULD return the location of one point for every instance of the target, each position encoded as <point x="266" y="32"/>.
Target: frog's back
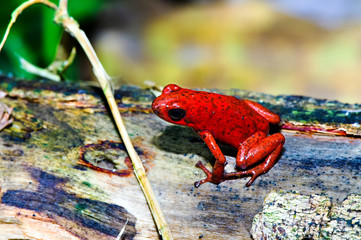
<point x="230" y="120"/>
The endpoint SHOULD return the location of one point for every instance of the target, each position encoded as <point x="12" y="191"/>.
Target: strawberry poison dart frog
<point x="242" y="124"/>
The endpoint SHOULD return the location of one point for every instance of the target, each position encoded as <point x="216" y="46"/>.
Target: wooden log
<point x="65" y="173"/>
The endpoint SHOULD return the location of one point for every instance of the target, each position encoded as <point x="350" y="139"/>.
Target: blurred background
<point x="306" y="47"/>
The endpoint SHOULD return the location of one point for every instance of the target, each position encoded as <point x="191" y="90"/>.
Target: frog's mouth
<point x="156" y="111"/>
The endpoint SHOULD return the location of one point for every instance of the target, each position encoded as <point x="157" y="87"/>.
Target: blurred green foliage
<point x="217" y="44"/>
<point x="35" y="36"/>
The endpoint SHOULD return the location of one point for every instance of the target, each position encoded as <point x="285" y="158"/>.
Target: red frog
<point x="242" y="124"/>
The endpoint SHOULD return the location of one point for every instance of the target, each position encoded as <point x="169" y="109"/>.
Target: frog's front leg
<point x="253" y="150"/>
<point x="216" y="176"/>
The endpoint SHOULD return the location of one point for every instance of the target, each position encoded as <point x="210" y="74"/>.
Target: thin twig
<point x="122" y="231"/>
<point x="70" y="25"/>
<point x="27" y="66"/>
<point x="63" y="8"/>
<point x="53" y="72"/>
<point x="18" y="11"/>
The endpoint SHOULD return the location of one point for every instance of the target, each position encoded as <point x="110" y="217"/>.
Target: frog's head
<point x="172" y="104"/>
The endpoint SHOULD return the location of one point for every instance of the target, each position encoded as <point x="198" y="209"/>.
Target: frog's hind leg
<point x="264" y="112"/>
<point x="242" y="154"/>
<point x="255" y="149"/>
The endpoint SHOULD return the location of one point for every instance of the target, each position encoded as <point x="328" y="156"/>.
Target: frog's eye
<point x="176" y="114"/>
<point x="171" y="88"/>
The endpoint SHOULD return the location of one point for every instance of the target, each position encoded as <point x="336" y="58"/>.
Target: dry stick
<point x="70" y="25"/>
<point x="45" y="73"/>
<point x="73" y="28"/>
<point x="23" y="63"/>
<point x="18" y="11"/>
<point x="53" y="71"/>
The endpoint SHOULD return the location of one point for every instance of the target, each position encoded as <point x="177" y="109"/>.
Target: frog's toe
<point x="200" y="165"/>
<point x="198" y="183"/>
<point x="249" y="183"/>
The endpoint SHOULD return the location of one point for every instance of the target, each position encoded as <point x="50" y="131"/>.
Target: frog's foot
<point x="254" y="173"/>
<point x="257" y="170"/>
<point x="200" y="165"/>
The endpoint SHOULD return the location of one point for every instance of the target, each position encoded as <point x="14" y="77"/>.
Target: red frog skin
<point x="242" y="124"/>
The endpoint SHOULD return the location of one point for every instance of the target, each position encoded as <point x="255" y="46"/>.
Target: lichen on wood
<point x="290" y="215"/>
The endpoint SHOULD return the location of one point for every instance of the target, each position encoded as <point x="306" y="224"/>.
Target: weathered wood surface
<point x="46" y="193"/>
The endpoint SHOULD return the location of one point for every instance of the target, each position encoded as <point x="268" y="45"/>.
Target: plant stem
<point x="18" y="11"/>
<point x="72" y="27"/>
